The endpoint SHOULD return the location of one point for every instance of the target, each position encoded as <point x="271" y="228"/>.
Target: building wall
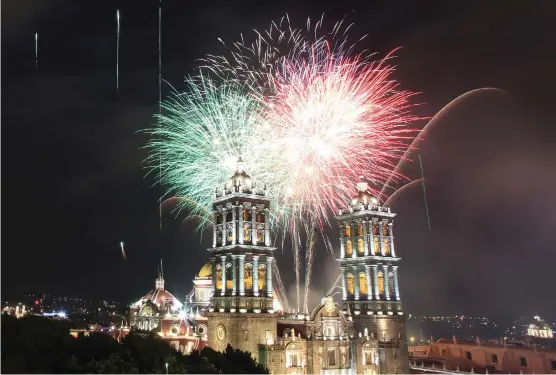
<point x="509" y="358"/>
<point x="242" y="330"/>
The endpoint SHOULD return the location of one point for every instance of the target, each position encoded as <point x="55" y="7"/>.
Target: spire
<point x="240" y="166"/>
<point x="159" y="283"/>
<point x="362" y="186"/>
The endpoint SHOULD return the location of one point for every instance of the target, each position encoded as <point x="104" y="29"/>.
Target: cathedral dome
<point x="206" y="271"/>
<point x="163" y="299"/>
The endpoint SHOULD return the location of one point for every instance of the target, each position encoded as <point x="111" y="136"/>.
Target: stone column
<point x="269" y="291"/>
<point x="241" y="275"/>
<point x="381" y="236"/>
<point x="342" y="244"/>
<point x="253" y="225"/>
<point x="365" y="242"/>
<point x="391" y="231"/>
<point x="234" y="275"/>
<point x="369" y="290"/>
<point x="223" y="292"/>
<point x="214" y="229"/>
<point x="356" y="283"/>
<point x="396" y="288"/>
<point x="375" y="281"/>
<point x="256" y="275"/>
<point x="214" y="264"/>
<point x="352" y="231"/>
<point x="372" y="238"/>
<point x="240" y="231"/>
<point x="344" y="286"/>
<point x="224" y="229"/>
<point x="234" y="225"/>
<point x="386" y="286"/>
<point x="266" y="227"/>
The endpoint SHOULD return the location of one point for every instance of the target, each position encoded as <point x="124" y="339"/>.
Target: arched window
<point x="375" y="229"/>
<point x="360" y="229"/>
<point x="246" y="232"/>
<point x="360" y="247"/>
<point x="229" y="277"/>
<point x="386" y="246"/>
<point x="259" y="236"/>
<point x="262" y="277"/>
<point x="230" y="234"/>
<point x="245" y="214"/>
<point x="349" y="283"/>
<point x="349" y="249"/>
<point x="376" y="245"/>
<point x="390" y="284"/>
<point x="348" y="231"/>
<point x="380" y="283"/>
<point x="363" y="283"/>
<point x="219" y="277"/>
<point x="248" y="277"/>
<point x="385" y="231"/>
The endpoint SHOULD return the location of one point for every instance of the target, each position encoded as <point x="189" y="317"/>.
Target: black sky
<point x="73" y="181"/>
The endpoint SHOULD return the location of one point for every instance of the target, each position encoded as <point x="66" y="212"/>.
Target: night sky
<point x="74" y="185"/>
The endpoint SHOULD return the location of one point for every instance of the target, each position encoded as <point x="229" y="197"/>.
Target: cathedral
<point x="233" y="299"/>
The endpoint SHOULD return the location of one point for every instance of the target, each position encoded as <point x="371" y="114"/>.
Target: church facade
<point x="365" y="333"/>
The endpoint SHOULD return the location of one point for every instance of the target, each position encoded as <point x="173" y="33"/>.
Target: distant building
<point x="479" y="357"/>
<point x="159" y="311"/>
<point x="540" y="329"/>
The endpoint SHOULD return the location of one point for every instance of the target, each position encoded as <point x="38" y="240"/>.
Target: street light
<point x="166" y="367"/>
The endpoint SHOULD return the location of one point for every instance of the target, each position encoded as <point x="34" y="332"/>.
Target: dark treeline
<point x="38" y="345"/>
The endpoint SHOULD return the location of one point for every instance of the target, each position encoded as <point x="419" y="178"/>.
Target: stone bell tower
<point x="241" y="312"/>
<point x="370" y="289"/>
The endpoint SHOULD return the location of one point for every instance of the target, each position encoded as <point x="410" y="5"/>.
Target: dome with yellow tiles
<point x="206" y="271"/>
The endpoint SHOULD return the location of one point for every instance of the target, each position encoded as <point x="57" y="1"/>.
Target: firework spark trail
<point x="310" y="256"/>
<point x="160" y="95"/>
<point x="36" y="50"/>
<point x="276" y="272"/>
<point x="296" y="247"/>
<point x="432" y="122"/>
<point x="335" y="285"/>
<point x="425" y="192"/>
<point x="405" y="187"/>
<point x="118" y="52"/>
<point x="123" y="250"/>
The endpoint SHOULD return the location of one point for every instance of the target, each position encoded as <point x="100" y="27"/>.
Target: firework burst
<point x="202" y="133"/>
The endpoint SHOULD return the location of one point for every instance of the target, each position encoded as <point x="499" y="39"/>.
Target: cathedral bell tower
<point x="241" y="312"/>
<point x="369" y="273"/>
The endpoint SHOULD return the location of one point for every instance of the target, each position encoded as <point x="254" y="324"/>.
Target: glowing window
<point x="230" y="234"/>
<point x="245" y="214"/>
<point x="349" y="249"/>
<point x="246" y="232"/>
<point x="262" y="277"/>
<point x="349" y="283"/>
<point x="219" y="277"/>
<point x="248" y="277"/>
<point x="259" y="236"/>
<point x="360" y="247"/>
<point x="380" y="283"/>
<point x="363" y="283"/>
<point x="375" y="229"/>
<point x="376" y="245"/>
<point x="386" y="247"/>
<point x="348" y="231"/>
<point x="360" y="229"/>
<point x="229" y="277"/>
<point x="385" y="231"/>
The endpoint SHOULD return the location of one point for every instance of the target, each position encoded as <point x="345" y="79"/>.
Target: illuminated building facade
<point x="540" y="329"/>
<point x="159" y="311"/>
<point x="366" y="334"/>
<point x="241" y="311"/>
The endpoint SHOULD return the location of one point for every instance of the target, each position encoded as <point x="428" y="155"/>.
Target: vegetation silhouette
<point x="38" y="345"/>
